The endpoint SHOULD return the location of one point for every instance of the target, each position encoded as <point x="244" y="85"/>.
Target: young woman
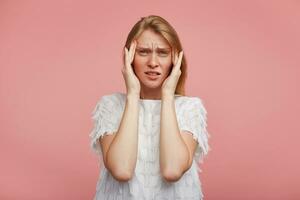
<point x="150" y="138"/>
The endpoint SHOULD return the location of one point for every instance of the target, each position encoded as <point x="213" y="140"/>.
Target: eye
<point x="142" y="52"/>
<point x="163" y="53"/>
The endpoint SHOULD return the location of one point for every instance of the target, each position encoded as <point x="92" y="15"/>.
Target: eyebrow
<point x="146" y="48"/>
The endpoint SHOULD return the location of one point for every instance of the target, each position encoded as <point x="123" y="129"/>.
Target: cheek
<point x="137" y="66"/>
<point x="138" y="62"/>
<point x="166" y="61"/>
<point x="167" y="66"/>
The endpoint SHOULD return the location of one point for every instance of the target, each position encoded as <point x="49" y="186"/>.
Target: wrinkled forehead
<point x="153" y="44"/>
<point x="148" y="39"/>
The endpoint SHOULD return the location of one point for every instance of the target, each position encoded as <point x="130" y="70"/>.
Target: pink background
<point x="57" y="58"/>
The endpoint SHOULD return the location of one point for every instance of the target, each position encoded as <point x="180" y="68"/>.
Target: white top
<point x="147" y="183"/>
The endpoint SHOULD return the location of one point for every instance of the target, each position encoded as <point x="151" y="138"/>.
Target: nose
<point x="153" y="61"/>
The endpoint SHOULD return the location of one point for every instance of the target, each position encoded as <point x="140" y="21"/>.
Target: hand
<point x="132" y="82"/>
<point x="170" y="83"/>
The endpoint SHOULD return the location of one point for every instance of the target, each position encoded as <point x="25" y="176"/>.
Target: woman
<point x="151" y="138"/>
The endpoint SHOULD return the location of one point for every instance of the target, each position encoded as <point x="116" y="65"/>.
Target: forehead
<point x="149" y="38"/>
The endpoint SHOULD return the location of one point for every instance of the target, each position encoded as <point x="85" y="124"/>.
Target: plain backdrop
<point x="57" y="58"/>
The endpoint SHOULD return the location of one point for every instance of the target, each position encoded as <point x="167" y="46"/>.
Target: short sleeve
<point x="192" y="118"/>
<point x="106" y="117"/>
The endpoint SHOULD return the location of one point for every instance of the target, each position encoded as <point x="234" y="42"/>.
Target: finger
<point x="133" y="51"/>
<point x="132" y="48"/>
<point x="173" y="57"/>
<point x="176" y="58"/>
<point x="179" y="60"/>
<point x="174" y="69"/>
<point x="126" y="56"/>
<point x="128" y="64"/>
<point x="129" y="51"/>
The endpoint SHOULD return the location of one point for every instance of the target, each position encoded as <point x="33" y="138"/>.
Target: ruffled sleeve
<point x="106" y="117"/>
<point x="192" y="118"/>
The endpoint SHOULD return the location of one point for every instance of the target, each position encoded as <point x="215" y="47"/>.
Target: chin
<point x="153" y="85"/>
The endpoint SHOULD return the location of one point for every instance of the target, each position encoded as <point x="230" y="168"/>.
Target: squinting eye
<point x="143" y="52"/>
<point x="163" y="53"/>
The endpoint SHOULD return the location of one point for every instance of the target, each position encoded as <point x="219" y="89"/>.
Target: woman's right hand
<point x="132" y="82"/>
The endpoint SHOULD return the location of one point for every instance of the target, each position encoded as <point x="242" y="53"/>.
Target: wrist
<point x="167" y="96"/>
<point x="133" y="96"/>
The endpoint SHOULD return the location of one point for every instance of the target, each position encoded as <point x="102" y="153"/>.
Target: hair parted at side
<point x="161" y="26"/>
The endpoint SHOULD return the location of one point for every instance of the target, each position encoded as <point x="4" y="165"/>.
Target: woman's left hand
<point x="170" y="83"/>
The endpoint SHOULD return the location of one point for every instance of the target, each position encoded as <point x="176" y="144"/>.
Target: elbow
<point x="171" y="175"/>
<point x="119" y="172"/>
<point x="121" y="175"/>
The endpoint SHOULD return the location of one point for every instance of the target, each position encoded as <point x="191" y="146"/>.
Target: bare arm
<point x="176" y="149"/>
<point x="121" y="153"/>
<point x="121" y="156"/>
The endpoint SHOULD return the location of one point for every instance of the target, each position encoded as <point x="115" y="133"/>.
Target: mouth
<point x="153" y="75"/>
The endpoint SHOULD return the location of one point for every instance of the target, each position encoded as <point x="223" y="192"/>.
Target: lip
<point x="151" y="71"/>
<point x="152" y="76"/>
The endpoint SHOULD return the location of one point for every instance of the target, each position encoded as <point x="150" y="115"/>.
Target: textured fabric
<point x="147" y="183"/>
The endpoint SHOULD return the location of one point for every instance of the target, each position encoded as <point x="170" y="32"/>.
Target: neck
<point x="150" y="93"/>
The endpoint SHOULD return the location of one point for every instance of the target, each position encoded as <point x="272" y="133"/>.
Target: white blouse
<point x="147" y="183"/>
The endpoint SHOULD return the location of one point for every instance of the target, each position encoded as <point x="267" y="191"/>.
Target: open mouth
<point x="152" y="73"/>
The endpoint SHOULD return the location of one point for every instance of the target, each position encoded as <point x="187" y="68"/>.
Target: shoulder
<point x="189" y="101"/>
<point x="191" y="105"/>
<point x="115" y="98"/>
<point x="111" y="96"/>
<point x="110" y="101"/>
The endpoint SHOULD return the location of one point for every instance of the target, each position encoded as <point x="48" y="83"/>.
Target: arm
<point x="122" y="152"/>
<point x="176" y="149"/>
<point x="121" y="155"/>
